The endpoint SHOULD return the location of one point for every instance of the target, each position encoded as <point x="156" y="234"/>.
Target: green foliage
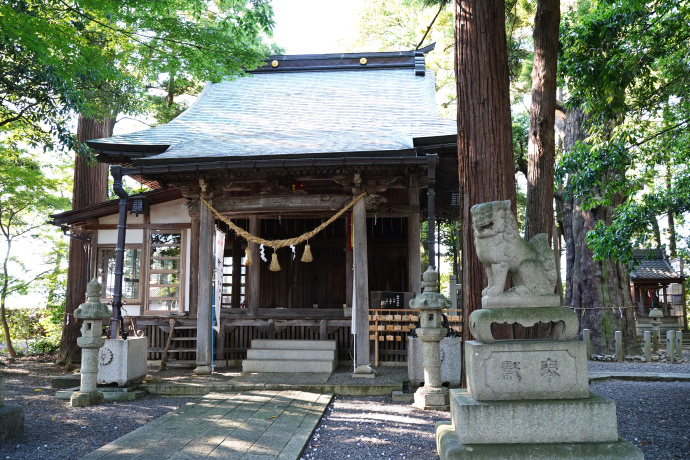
<point x="27" y="196"/>
<point x="626" y="64"/>
<point x="98" y="57"/>
<point x="34" y="326"/>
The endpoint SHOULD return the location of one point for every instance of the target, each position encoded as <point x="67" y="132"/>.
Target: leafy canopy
<point x="97" y="57"/>
<point x="627" y="65"/>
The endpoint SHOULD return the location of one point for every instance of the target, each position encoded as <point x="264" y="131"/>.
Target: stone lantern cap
<point x="431" y="298"/>
<point x="656" y="313"/>
<point x="93" y="308"/>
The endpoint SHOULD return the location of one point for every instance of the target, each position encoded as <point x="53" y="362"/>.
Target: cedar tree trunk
<point x="542" y="145"/>
<point x="598" y="290"/>
<point x="90" y="187"/>
<point x="485" y="142"/>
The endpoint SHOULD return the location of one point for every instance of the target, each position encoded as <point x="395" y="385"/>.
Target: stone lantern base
<point x="429" y="398"/>
<point x="86" y="398"/>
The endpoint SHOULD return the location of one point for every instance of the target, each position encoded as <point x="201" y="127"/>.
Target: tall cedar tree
<point x="542" y="145"/>
<point x="596" y="288"/>
<point x="90" y="187"/>
<point x="485" y="141"/>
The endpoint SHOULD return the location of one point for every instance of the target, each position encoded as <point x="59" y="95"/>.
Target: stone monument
<point x="11" y="416"/>
<point x="93" y="312"/>
<point x="525" y="398"/>
<point x="433" y="395"/>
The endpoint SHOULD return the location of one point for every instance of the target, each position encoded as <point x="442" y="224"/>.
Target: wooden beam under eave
<point x="281" y="203"/>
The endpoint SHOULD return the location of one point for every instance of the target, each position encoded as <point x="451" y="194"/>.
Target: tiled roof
<point x="652" y="264"/>
<point x="297" y="113"/>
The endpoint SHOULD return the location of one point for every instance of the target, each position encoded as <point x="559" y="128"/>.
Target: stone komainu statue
<point x="500" y="248"/>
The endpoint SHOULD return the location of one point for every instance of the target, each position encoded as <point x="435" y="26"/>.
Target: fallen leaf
<point x="38" y="389"/>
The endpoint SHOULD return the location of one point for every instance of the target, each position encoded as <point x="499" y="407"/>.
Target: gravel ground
<point x="653" y="415"/>
<point x="53" y="430"/>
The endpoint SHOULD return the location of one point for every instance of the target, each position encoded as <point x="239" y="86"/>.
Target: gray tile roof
<point x="652" y="264"/>
<point x="298" y="113"/>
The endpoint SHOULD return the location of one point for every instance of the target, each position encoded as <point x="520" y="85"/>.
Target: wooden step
<point x="182" y="350"/>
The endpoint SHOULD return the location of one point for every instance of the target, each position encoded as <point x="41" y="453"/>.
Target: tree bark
<point x="3" y="311"/>
<point x="598" y="290"/>
<point x="542" y="145"/>
<point x="90" y="187"/>
<point x="671" y="220"/>
<point x="485" y="143"/>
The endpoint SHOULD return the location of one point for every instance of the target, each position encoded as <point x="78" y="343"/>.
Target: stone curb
<point x="198" y="389"/>
<point x="637" y="377"/>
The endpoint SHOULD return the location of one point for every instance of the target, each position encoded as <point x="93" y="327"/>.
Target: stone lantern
<point x="656" y="316"/>
<point x="430" y="304"/>
<point x="93" y="312"/>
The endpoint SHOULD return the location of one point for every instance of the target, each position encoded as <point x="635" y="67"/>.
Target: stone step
<point x="259" y="353"/>
<point x="294" y="344"/>
<point x="288" y="365"/>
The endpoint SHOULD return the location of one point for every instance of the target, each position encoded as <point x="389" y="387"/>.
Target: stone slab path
<point x="256" y="425"/>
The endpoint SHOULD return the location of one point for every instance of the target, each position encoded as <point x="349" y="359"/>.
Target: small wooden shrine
<point x="652" y="278"/>
<point x="354" y="138"/>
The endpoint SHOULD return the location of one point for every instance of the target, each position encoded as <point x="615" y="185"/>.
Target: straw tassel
<point x="247" y="256"/>
<point x="275" y="266"/>
<point x="306" y="256"/>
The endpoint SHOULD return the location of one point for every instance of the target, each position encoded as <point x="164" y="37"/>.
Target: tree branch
<point x="428" y="29"/>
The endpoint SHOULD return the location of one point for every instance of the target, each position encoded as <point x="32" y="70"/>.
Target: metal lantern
<point x="139" y="205"/>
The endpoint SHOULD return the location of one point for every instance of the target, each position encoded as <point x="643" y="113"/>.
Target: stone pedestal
<point x="526" y="399"/>
<point x="93" y="312"/>
<point x="526" y="370"/>
<point x="122" y="361"/>
<point x="11" y="416"/>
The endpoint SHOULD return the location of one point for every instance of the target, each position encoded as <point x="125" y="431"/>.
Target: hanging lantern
<point x="247" y="256"/>
<point x="275" y="266"/>
<point x="139" y="204"/>
<point x="306" y="256"/>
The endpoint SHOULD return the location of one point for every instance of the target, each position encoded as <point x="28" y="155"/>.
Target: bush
<point x="38" y="326"/>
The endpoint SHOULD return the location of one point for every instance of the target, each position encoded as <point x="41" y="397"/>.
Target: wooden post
<point x="414" y="257"/>
<point x="361" y="288"/>
<point x="253" y="278"/>
<point x="204" y="331"/>
<point x="348" y="262"/>
<point x="194" y="266"/>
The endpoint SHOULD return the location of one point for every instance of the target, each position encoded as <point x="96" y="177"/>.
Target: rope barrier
<point x="276" y="244"/>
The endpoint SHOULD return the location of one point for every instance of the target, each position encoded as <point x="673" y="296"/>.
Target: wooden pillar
<point x="194" y="265"/>
<point x="414" y="256"/>
<point x="254" y="270"/>
<point x="348" y="262"/>
<point x="204" y="331"/>
<point x="237" y="267"/>
<point x="361" y="288"/>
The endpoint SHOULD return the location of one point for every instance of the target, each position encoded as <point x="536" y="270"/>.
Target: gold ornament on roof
<point x="274" y="63"/>
<point x="363" y="61"/>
